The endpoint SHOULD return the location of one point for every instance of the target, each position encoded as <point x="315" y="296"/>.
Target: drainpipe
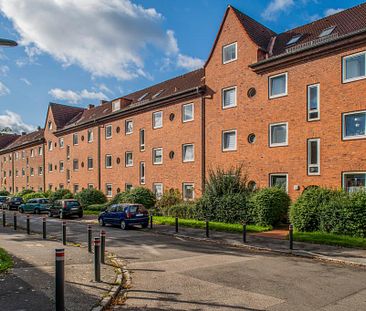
<point x="43" y="164"/>
<point x="203" y="143"/>
<point x="99" y="164"/>
<point x="12" y="173"/>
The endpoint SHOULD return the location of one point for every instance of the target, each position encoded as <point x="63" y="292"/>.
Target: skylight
<point x="327" y="31"/>
<point x="294" y="39"/>
<point x="158" y="93"/>
<point x="142" y="97"/>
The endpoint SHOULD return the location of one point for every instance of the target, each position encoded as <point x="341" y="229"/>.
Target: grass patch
<point x="330" y="239"/>
<point x="89" y="212"/>
<point x="218" y="226"/>
<point x="6" y="262"/>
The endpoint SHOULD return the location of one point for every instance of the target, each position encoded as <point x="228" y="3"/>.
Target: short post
<point x="291" y="236"/>
<point x="244" y="232"/>
<point x="44" y="232"/>
<point x="64" y="232"/>
<point x="97" y="259"/>
<point x="207" y="229"/>
<point x="4" y="219"/>
<point x="90" y="242"/>
<point x="28" y="224"/>
<point x="176" y="224"/>
<point x="102" y="246"/>
<point x="60" y="279"/>
<point x="151" y="221"/>
<point x="15" y="221"/>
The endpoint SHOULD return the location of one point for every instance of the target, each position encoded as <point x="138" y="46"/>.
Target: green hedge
<point x="4" y="193"/>
<point x="182" y="210"/>
<point x="140" y="195"/>
<point x="59" y="194"/>
<point x="88" y="197"/>
<point x="33" y="195"/>
<point x="96" y="207"/>
<point x="169" y="198"/>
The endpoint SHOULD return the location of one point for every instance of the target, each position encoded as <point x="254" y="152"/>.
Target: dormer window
<point x="49" y="125"/>
<point x="142" y="97"/>
<point x="327" y="31"/>
<point x="158" y="93"/>
<point x="116" y="105"/>
<point x="294" y="40"/>
<point x="229" y="53"/>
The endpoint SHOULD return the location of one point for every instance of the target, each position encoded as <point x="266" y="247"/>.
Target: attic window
<point x="116" y="105"/>
<point x="327" y="31"/>
<point x="158" y="93"/>
<point x="294" y="40"/>
<point x="142" y="97"/>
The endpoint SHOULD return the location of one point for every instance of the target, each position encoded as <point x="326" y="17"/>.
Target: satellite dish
<point x="6" y="42"/>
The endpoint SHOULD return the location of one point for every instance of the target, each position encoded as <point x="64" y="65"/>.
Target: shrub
<point x="24" y="192"/>
<point x="169" y="198"/>
<point x="91" y="196"/>
<point x="270" y="206"/>
<point x="122" y="197"/>
<point x="96" y="207"/>
<point x="140" y="195"/>
<point x="33" y="195"/>
<point x="60" y="194"/>
<point x="357" y="214"/>
<point x="4" y="193"/>
<point x="182" y="210"/>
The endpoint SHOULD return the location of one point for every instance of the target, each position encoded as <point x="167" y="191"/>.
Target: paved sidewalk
<point x="30" y="284"/>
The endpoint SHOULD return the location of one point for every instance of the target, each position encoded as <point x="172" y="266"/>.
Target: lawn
<point x="218" y="226"/>
<point x="6" y="261"/>
<point x="330" y="239"/>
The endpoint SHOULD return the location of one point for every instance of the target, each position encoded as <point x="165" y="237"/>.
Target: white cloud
<point x="3" y="89"/>
<point x="75" y="97"/>
<point x="332" y="11"/>
<point x="14" y="121"/>
<point x="275" y="7"/>
<point x="105" y="37"/>
<point x="188" y="62"/>
<point x="4" y="70"/>
<point x="26" y="81"/>
<point x="105" y="88"/>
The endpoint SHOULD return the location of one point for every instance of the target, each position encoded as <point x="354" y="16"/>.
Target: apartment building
<point x="289" y="107"/>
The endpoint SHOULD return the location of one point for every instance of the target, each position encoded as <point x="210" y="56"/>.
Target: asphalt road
<point x="174" y="274"/>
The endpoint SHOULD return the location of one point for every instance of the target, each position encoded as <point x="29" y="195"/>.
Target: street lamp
<point x="6" y="42"/>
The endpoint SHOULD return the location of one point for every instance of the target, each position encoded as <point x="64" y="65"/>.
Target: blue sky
<point x="80" y="51"/>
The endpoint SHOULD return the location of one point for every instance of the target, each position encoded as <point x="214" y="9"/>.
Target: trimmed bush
<point x="60" y="194"/>
<point x="33" y="195"/>
<point x="122" y="197"/>
<point x="270" y="206"/>
<point x="88" y="197"/>
<point x="169" y="198"/>
<point x="24" y="192"/>
<point x="96" y="207"/>
<point x="140" y="195"/>
<point x="182" y="210"/>
<point x="4" y="193"/>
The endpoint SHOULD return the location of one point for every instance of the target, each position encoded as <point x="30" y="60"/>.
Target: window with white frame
<point x="108" y="131"/>
<point x="188" y="191"/>
<point x="128" y="158"/>
<point x="75" y="139"/>
<point x="108" y="161"/>
<point x="229" y="53"/>
<point x="128" y="127"/>
<point x="90" y="163"/>
<point x="354" y="67"/>
<point x="23" y="171"/>
<point x="32" y="153"/>
<point x="61" y="166"/>
<point x="61" y="186"/>
<point x="278" y="180"/>
<point x="157" y="119"/>
<point x="229" y="97"/>
<point x="354" y="125"/>
<point x="108" y="190"/>
<point x="188" y="153"/>
<point x="23" y="155"/>
<point x="49" y="125"/>
<point x="90" y="186"/>
<point x="50" y="145"/>
<point x="40" y="150"/>
<point x="158" y="190"/>
<point x="313" y="99"/>
<point x="142" y="139"/>
<point x="116" y="105"/>
<point x="31" y="172"/>
<point x="40" y="170"/>
<point x="354" y="181"/>
<point x="76" y="188"/>
<point x="75" y="164"/>
<point x="188" y="112"/>
<point x="158" y="155"/>
<point x="68" y="175"/>
<point x="277" y="85"/>
<point x="16" y="173"/>
<point x="61" y="142"/>
<point x="128" y="187"/>
<point x="68" y="151"/>
<point x="50" y="167"/>
<point x="90" y="135"/>
<point x="229" y="140"/>
<point x="16" y="155"/>
<point x="278" y="135"/>
<point x="314" y="156"/>
<point x="142" y="173"/>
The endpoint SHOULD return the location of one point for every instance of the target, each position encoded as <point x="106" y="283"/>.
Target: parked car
<point x="36" y="206"/>
<point x="65" y="208"/>
<point x="14" y="203"/>
<point x="124" y="215"/>
<point x="3" y="200"/>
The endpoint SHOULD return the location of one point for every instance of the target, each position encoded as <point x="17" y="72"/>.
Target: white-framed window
<point x="76" y="188"/>
<point x="68" y="151"/>
<point x="61" y="186"/>
<point x="31" y="172"/>
<point x="128" y="187"/>
<point x="188" y="191"/>
<point x="142" y="173"/>
<point x="61" y="142"/>
<point x="313" y="99"/>
<point x="277" y="85"/>
<point x="31" y="153"/>
<point x="188" y="153"/>
<point x="40" y="150"/>
<point x="50" y="145"/>
<point x="229" y="140"/>
<point x="61" y="166"/>
<point x="354" y="125"/>
<point x="90" y="163"/>
<point x="116" y="105"/>
<point x="49" y="125"/>
<point x="128" y="127"/>
<point x="16" y="173"/>
<point x="229" y="97"/>
<point x="278" y="134"/>
<point x="229" y="53"/>
<point x="23" y="171"/>
<point x="279" y="180"/>
<point x="314" y="156"/>
<point x="23" y="155"/>
<point x="128" y="158"/>
<point x="108" y="161"/>
<point x="108" y="131"/>
<point x="354" y="67"/>
<point x="188" y="112"/>
<point x="90" y="135"/>
<point x="158" y="190"/>
<point x="90" y="186"/>
<point x="157" y="155"/>
<point x="354" y="181"/>
<point x="75" y="139"/>
<point x="108" y="190"/>
<point x="142" y="139"/>
<point x="16" y="155"/>
<point x="75" y="164"/>
<point x="68" y="175"/>
<point x="40" y="170"/>
<point x="157" y="119"/>
<point x="50" y="168"/>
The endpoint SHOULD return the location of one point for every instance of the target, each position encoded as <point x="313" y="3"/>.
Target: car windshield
<point x="137" y="209"/>
<point x="72" y="204"/>
<point x="2" y="199"/>
<point x="16" y="199"/>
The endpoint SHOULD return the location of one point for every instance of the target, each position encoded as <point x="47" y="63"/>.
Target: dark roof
<point x="25" y="139"/>
<point x="6" y="139"/>
<point x="158" y="91"/>
<point x="63" y="113"/>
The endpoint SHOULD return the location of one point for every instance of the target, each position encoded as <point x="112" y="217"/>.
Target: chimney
<point x="38" y="128"/>
<point x="24" y="133"/>
<point x="102" y="102"/>
<point x="90" y="106"/>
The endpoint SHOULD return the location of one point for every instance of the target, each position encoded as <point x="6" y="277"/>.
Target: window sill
<point x="344" y="81"/>
<point x="229" y="61"/>
<point x="353" y="137"/>
<point x="278" y="145"/>
<point x="278" y="96"/>
<point x="228" y="107"/>
<point x="229" y="150"/>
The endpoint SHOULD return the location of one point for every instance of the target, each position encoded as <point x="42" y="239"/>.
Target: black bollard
<point x="64" y="232"/>
<point x="15" y="221"/>
<point x="151" y="221"/>
<point x="207" y="229"/>
<point x="90" y="242"/>
<point x="97" y="259"/>
<point x="176" y="224"/>
<point x="4" y="219"/>
<point x="28" y="224"/>
<point x="60" y="279"/>
<point x="291" y="236"/>
<point x="244" y="232"/>
<point x="102" y="247"/>
<point x="44" y="228"/>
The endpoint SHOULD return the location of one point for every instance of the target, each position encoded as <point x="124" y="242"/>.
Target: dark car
<point x="14" y="203"/>
<point x="37" y="206"/>
<point x="124" y="215"/>
<point x="65" y="208"/>
<point x="3" y="200"/>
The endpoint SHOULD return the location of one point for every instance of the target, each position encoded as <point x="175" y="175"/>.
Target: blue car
<point x="124" y="215"/>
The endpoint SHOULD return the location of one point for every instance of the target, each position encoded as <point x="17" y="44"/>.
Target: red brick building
<point x="289" y="107"/>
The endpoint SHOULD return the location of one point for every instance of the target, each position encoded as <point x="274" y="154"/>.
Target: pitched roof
<point x="6" y="139"/>
<point x="25" y="139"/>
<point x="63" y="113"/>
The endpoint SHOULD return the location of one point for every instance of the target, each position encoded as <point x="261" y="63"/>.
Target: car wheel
<point x="123" y="225"/>
<point x="144" y="225"/>
<point x="37" y="211"/>
<point x="50" y="214"/>
<point x="80" y="215"/>
<point x="101" y="222"/>
<point x="21" y="210"/>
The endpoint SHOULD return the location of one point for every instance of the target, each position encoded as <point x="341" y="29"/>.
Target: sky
<point x="79" y="52"/>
